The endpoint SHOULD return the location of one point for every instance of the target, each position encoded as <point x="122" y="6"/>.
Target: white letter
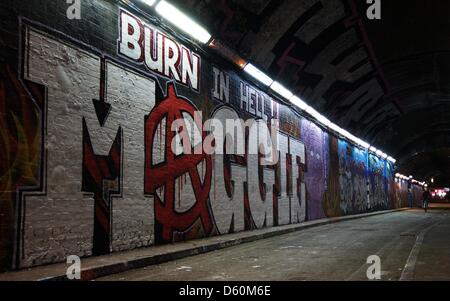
<point x="189" y="68"/>
<point x="283" y="197"/>
<point x="74" y="271"/>
<point x="129" y="41"/>
<point x="227" y="199"/>
<point x="171" y="59"/>
<point x="374" y="271"/>
<point x="216" y="89"/>
<point x="260" y="194"/>
<point x="374" y="10"/>
<point x="74" y="10"/>
<point x="153" y="49"/>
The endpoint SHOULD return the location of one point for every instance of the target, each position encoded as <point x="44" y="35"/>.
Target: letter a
<point x="374" y="270"/>
<point x="74" y="270"/>
<point x="374" y="10"/>
<point x="74" y="10"/>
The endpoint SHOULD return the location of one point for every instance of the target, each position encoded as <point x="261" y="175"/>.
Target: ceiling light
<point x="362" y="143"/>
<point x="149" y="2"/>
<point x="318" y="116"/>
<point x="391" y="159"/>
<point x="335" y="128"/>
<point x="258" y="74"/>
<point x="299" y="103"/>
<point x="183" y="22"/>
<point x="280" y="89"/>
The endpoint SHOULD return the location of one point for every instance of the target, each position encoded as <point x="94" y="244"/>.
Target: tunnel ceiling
<point x="386" y="80"/>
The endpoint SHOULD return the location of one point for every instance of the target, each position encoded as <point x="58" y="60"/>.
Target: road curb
<point x="57" y="272"/>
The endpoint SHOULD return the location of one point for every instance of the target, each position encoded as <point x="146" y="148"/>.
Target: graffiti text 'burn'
<point x="144" y="43"/>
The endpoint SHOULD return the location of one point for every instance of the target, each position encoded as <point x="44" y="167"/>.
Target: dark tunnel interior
<point x="225" y="140"/>
<point x="401" y="65"/>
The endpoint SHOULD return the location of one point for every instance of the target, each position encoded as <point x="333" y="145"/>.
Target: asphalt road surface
<point x="412" y="245"/>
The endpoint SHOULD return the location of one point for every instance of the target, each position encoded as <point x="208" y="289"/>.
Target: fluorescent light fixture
<point x="379" y="153"/>
<point x="338" y="129"/>
<point x="280" y="89"/>
<point x="384" y="156"/>
<point x="391" y="159"/>
<point x="344" y="133"/>
<point x="356" y="139"/>
<point x="299" y="103"/>
<point x="373" y="149"/>
<point x="362" y="143"/>
<point x="318" y="116"/>
<point x="335" y="127"/>
<point x="323" y="120"/>
<point x="183" y="22"/>
<point x="352" y="137"/>
<point x="258" y="74"/>
<point x="149" y="2"/>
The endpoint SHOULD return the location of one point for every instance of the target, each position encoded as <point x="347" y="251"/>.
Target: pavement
<point x="412" y="245"/>
<point x="326" y="249"/>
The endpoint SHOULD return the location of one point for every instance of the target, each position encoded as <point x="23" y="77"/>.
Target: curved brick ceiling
<point x="387" y="81"/>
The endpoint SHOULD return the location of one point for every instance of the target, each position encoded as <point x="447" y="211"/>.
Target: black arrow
<point x="102" y="110"/>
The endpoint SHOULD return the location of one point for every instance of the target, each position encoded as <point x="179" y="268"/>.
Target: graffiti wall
<point x="407" y="195"/>
<point x="317" y="164"/>
<point x="105" y="144"/>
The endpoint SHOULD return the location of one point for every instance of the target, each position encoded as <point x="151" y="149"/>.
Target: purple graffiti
<point x="317" y="158"/>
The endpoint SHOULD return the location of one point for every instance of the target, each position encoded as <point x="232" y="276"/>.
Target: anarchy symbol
<point x="165" y="174"/>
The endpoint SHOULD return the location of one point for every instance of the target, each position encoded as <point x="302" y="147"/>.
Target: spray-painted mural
<point x="352" y="178"/>
<point x="87" y="158"/>
<point x="378" y="181"/>
<point x="317" y="164"/>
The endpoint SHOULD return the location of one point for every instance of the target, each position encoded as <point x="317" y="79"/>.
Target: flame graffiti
<point x="20" y="140"/>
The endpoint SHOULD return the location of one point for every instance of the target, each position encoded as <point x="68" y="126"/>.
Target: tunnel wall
<point x="84" y="161"/>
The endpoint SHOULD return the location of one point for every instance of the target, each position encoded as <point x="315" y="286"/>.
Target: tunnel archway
<point x="386" y="80"/>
